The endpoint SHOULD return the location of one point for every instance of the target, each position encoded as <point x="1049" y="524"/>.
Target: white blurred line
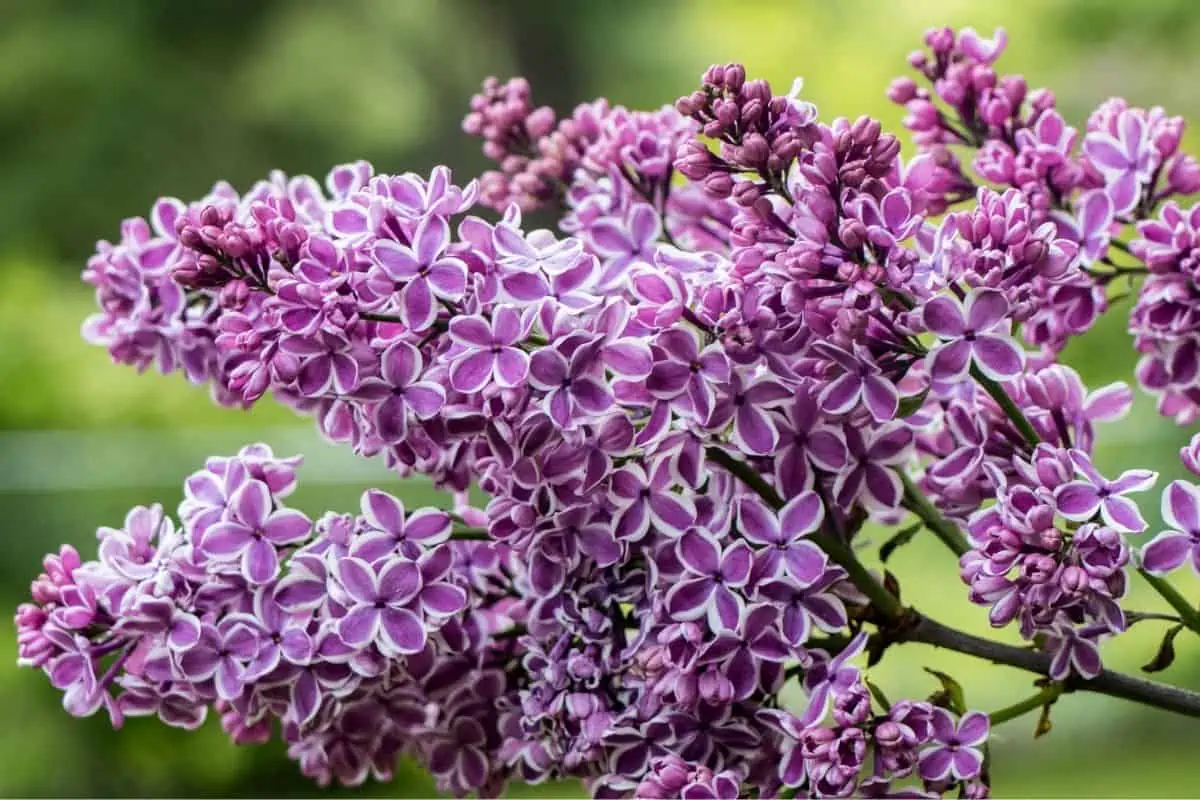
<point x="47" y="461"/>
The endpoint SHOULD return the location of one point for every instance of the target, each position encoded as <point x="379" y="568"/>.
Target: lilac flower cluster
<point x="754" y="334"/>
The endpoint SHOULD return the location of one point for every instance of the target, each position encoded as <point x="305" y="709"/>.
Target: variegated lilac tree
<point x="754" y="336"/>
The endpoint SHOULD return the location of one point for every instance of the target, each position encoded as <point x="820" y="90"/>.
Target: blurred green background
<point x="105" y="105"/>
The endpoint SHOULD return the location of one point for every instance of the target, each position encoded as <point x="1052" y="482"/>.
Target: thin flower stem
<point x="909" y="625"/>
<point x="1188" y="615"/>
<point x="916" y="502"/>
<point x="469" y="535"/>
<point x="1007" y="405"/>
<point x="375" y="317"/>
<point x="1045" y="697"/>
<point x="1113" y="684"/>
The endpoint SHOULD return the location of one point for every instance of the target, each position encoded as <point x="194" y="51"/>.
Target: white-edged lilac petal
<point x="944" y="316"/>
<point x="448" y="278"/>
<point x="382" y="511"/>
<point x="1166" y="552"/>
<point x="399" y="582"/>
<point x="428" y="526"/>
<point x="1077" y="500"/>
<point x="251" y="504"/>
<point x="357" y="578"/>
<point x="443" y="599"/>
<point x="471" y="331"/>
<point x="934" y="764"/>
<point x="287" y="526"/>
<point x="966" y="764"/>
<point x="1181" y="506"/>
<point x="950" y="360"/>
<point x="674" y="512"/>
<point x="689" y="599"/>
<point x="1134" y="480"/>
<point x="1123" y="514"/>
<point x="359" y="627"/>
<point x="425" y="399"/>
<point x="841" y="395"/>
<point x="802" y="514"/>
<point x="628" y="358"/>
<point x="753" y="431"/>
<point x="736" y="563"/>
<point x="756" y="522"/>
<point x="986" y="309"/>
<point x="511" y="368"/>
<point x="418" y="310"/>
<point x="431" y="238"/>
<point x="726" y="610"/>
<point x="225" y="539"/>
<point x="391" y="419"/>
<point x="398" y="261"/>
<point x="998" y="357"/>
<point x="805" y="562"/>
<point x="470" y="373"/>
<point x="400" y="364"/>
<point x="699" y="553"/>
<point x="260" y="561"/>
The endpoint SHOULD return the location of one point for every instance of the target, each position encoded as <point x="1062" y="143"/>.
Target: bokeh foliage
<point x="107" y="104"/>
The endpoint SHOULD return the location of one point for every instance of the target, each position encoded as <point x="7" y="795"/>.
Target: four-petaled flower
<point x="955" y="752"/>
<point x="1080" y="500"/>
<point x="253" y="532"/>
<point x="491" y="350"/>
<point x="418" y="274"/>
<point x="708" y="589"/>
<point x="975" y="332"/>
<point x="1126" y="158"/>
<point x="400" y="390"/>
<point x="785" y="547"/>
<point x="1170" y="549"/>
<point x="380" y="605"/>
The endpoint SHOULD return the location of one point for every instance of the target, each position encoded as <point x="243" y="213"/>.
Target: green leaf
<point x="879" y="696"/>
<point x="911" y="404"/>
<point x="902" y="537"/>
<point x="952" y="691"/>
<point x="1043" y="725"/>
<point x="1166" y="652"/>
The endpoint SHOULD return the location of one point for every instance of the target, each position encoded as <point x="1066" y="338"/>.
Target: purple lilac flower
<point x="709" y="590"/>
<point x="955" y="752"/>
<point x="1082" y="499"/>
<point x="490" y="351"/>
<point x="1170" y="549"/>
<point x="975" y="332"/>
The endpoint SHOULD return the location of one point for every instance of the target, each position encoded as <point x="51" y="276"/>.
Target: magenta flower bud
<point x="540" y="122"/>
<point x="234" y="295"/>
<point x="719" y="184"/>
<point x="951" y="92"/>
<point x="940" y="40"/>
<point x="746" y="193"/>
<point x="1074" y="579"/>
<point x="918" y="59"/>
<point x="211" y="216"/>
<point x="902" y="90"/>
<point x="1041" y="100"/>
<point x="1050" y="539"/>
<point x="754" y="150"/>
<point x="923" y="115"/>
<point x="852" y="233"/>
<point x="995" y="110"/>
<point x="735" y="77"/>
